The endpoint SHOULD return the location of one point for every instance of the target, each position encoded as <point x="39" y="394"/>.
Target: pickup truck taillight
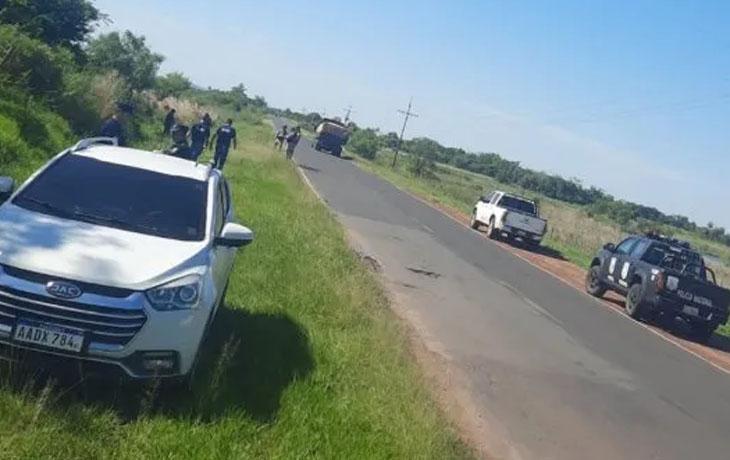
<point x="660" y="281"/>
<point x="504" y="217"/>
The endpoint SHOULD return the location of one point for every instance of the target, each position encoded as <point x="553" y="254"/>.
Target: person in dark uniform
<point x="180" y="147"/>
<point x="169" y="122"/>
<point x="112" y="127"/>
<point x="207" y="120"/>
<point x="199" y="137"/>
<point x="222" y="140"/>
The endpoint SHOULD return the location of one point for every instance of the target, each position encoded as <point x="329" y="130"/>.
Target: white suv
<point x="115" y="257"/>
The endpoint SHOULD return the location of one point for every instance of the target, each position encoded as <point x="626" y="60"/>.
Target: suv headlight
<point x="181" y="294"/>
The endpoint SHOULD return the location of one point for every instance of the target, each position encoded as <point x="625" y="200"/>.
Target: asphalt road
<point x="551" y="370"/>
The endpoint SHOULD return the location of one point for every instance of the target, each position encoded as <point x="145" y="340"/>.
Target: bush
<point x="173" y="84"/>
<point x="364" y="142"/>
<point x="91" y="97"/>
<point x="127" y="54"/>
<point x="54" y="22"/>
<point x="30" y="64"/>
<point x="29" y="133"/>
<point x="422" y="167"/>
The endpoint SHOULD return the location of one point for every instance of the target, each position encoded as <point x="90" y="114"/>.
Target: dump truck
<point x="332" y="135"/>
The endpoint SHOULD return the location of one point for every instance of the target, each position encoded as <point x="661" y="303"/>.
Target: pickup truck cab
<point x="661" y="276"/>
<point x="509" y="216"/>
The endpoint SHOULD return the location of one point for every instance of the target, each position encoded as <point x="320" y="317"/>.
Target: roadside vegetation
<point x="305" y="360"/>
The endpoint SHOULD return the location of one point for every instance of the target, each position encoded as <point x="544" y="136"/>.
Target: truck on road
<point x="661" y="277"/>
<point x="332" y="135"/>
<point x="509" y="216"/>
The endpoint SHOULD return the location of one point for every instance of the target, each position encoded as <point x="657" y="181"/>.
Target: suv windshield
<point x="517" y="204"/>
<point x="85" y="189"/>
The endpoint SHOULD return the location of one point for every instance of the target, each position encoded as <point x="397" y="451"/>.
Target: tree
<point x="390" y="140"/>
<point x="55" y="22"/>
<point x="364" y="142"/>
<point x="30" y="64"/>
<point x="421" y="166"/>
<point x="129" y="55"/>
<point x="240" y="97"/>
<point x="172" y="84"/>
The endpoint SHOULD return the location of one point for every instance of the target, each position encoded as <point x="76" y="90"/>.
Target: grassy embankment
<point x="305" y="361"/>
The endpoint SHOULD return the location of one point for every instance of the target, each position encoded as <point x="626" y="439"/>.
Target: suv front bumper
<point x="119" y="332"/>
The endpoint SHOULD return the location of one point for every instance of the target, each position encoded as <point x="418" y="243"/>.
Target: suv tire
<point x="635" y="306"/>
<point x="594" y="285"/>
<point x="492" y="232"/>
<point x="474" y="223"/>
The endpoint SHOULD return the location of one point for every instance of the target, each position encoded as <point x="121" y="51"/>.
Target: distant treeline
<point x="631" y="216"/>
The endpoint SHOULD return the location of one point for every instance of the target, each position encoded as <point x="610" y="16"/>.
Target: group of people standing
<point x="290" y="137"/>
<point x="189" y="142"/>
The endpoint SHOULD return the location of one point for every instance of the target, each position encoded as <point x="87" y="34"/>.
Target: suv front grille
<point x="114" y="326"/>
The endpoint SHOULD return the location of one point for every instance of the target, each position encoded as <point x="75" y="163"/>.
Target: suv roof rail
<point x="88" y="142"/>
<point x="665" y="239"/>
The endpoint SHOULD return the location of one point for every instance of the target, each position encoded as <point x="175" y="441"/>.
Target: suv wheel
<point x="594" y="285"/>
<point x="634" y="302"/>
<point x="492" y="232"/>
<point x="474" y="223"/>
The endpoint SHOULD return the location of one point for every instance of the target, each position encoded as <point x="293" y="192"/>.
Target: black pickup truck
<point x="661" y="276"/>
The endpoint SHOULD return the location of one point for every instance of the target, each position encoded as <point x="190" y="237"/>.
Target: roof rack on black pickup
<point x="86" y="143"/>
<point x="665" y="239"/>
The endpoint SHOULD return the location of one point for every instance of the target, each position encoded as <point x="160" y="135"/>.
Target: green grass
<point x="305" y="361"/>
<point x="29" y="134"/>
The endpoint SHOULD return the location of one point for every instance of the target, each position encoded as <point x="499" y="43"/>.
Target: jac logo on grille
<point x="63" y="290"/>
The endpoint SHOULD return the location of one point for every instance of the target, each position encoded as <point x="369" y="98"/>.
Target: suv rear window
<point x="674" y="258"/>
<point x="517" y="204"/>
<point x="137" y="200"/>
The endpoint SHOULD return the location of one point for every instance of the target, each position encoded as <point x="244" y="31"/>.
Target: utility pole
<point x="408" y="114"/>
<point x="348" y="112"/>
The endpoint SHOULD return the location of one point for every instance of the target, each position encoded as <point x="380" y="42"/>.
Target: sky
<point x="630" y="96"/>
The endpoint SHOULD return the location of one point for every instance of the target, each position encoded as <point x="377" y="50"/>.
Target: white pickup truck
<point x="510" y="216"/>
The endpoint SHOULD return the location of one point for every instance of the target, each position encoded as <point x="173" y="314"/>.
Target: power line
<point x="408" y="114"/>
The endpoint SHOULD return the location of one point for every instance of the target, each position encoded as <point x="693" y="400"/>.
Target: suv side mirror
<point x="610" y="247"/>
<point x="484" y="199"/>
<point x="234" y="236"/>
<point x="7" y="185"/>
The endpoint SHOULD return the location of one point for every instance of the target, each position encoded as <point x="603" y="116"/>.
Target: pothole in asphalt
<point x="424" y="272"/>
<point x="370" y="262"/>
